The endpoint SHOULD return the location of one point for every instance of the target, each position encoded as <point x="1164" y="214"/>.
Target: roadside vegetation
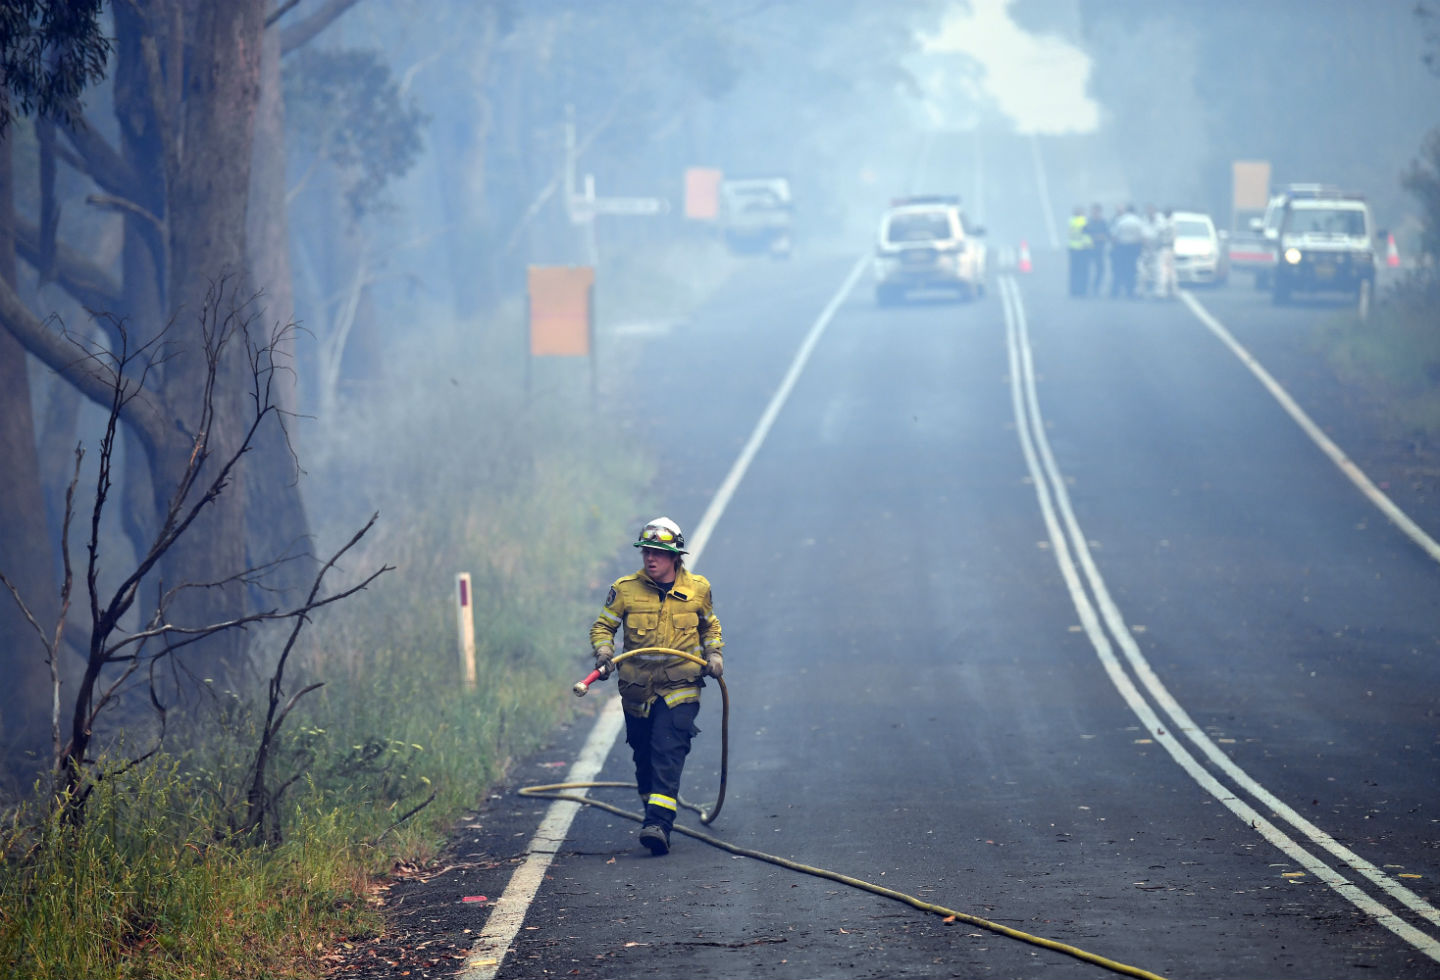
<point x="1393" y="357"/>
<point x="471" y="469"/>
<point x="1394" y="354"/>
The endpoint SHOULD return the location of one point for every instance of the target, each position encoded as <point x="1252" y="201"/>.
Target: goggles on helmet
<point x="662" y="536"/>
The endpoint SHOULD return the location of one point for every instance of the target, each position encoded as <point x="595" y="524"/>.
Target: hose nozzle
<point x="582" y="686"/>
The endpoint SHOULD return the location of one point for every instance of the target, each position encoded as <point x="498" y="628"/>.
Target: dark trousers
<point x="1097" y="268"/>
<point x="1079" y="271"/>
<point x="1124" y="265"/>
<point x="659" y="745"/>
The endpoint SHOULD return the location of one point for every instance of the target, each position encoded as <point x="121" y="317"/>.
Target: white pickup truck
<point x="1255" y="249"/>
<point x="755" y="215"/>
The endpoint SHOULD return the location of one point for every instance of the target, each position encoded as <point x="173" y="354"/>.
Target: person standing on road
<point x="661" y="605"/>
<point x="1079" y="248"/>
<point x="1149" y="261"/>
<point x="1165" y="284"/>
<point x="1098" y="230"/>
<point x="1127" y="237"/>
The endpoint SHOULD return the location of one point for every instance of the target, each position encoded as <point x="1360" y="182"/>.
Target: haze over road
<point x="1037" y="608"/>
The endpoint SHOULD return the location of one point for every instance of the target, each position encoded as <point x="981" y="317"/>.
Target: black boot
<point x="655" y="837"/>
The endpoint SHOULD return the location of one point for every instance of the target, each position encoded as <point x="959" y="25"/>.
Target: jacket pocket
<point x="640" y="627"/>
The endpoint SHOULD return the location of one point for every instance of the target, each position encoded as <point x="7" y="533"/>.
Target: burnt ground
<point x="431" y="912"/>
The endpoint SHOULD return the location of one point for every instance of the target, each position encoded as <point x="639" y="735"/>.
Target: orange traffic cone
<point x="1392" y="254"/>
<point x="1025" y="255"/>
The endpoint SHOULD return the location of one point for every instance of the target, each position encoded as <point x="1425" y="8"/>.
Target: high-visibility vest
<point x="1078" y="238"/>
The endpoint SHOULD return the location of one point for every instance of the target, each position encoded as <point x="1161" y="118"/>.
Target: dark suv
<point x="1325" y="244"/>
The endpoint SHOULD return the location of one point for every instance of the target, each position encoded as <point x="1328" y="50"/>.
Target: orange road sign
<point x="702" y="193"/>
<point x="561" y="312"/>
<point x="1251" y="179"/>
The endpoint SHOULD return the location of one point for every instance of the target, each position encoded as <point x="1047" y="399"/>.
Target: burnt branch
<point x="262" y="817"/>
<point x="80" y="366"/>
<point x="116" y="657"/>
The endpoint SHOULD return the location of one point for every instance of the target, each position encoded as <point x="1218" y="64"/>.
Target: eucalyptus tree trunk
<point x="208" y="163"/>
<point x="25" y="555"/>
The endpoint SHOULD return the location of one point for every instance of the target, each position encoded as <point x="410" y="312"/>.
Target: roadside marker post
<point x="465" y="620"/>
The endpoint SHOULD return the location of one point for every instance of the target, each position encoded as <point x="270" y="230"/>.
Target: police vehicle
<point x="1325" y="244"/>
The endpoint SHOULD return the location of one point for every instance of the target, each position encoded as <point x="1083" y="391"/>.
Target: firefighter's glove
<point x="605" y="660"/>
<point x="714" y="665"/>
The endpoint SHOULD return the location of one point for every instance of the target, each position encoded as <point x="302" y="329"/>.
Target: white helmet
<point x="662" y="534"/>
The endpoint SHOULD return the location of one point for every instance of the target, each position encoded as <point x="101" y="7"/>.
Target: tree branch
<point x="110" y="202"/>
<point x="301" y="34"/>
<point x="77" y="366"/>
<point x="102" y="163"/>
<point x="91" y="286"/>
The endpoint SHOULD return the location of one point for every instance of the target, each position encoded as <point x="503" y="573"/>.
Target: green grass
<point x="1394" y="357"/>
<point x="533" y="495"/>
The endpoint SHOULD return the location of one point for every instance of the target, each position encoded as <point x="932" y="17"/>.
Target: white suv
<point x="927" y="243"/>
<point x="1326" y="244"/>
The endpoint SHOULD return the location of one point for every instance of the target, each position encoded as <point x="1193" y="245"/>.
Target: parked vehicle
<point x="1200" y="254"/>
<point x="755" y="215"/>
<point x="1326" y="243"/>
<point x="1257" y="251"/>
<point x="927" y="243"/>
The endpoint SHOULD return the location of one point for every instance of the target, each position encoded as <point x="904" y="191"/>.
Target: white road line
<point x="508" y="915"/>
<point x="762" y="428"/>
<point x="1356" y="475"/>
<point x="489" y="950"/>
<point x="1053" y="496"/>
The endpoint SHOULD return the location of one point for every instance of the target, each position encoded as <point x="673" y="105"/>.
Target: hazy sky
<point x="1038" y="81"/>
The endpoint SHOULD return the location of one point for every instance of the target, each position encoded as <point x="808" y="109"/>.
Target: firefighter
<point x="661" y="605"/>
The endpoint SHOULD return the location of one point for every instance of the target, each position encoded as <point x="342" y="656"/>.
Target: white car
<point x="926" y="243"/>
<point x="1201" y="258"/>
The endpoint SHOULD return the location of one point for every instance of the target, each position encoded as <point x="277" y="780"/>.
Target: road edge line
<point x="487" y="953"/>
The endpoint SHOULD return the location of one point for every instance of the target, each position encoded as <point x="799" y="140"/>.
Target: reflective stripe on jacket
<point x="1078" y="238"/>
<point x="682" y="619"/>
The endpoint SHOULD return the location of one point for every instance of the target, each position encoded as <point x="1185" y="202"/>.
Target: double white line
<point x="1098" y="613"/>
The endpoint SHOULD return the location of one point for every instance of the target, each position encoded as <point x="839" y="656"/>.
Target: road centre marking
<point x="1054" y="505"/>
<point x="489" y="950"/>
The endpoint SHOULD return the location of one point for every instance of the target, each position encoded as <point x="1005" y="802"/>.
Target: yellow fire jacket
<point x="682" y="619"/>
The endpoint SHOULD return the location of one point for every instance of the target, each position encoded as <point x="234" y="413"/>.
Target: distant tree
<point x="1422" y="180"/>
<point x="1428" y="14"/>
<point x="345" y="107"/>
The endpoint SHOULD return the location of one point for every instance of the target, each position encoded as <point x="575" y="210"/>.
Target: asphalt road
<point x="1038" y="609"/>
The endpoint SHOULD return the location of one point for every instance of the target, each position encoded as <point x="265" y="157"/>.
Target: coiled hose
<point x="557" y="791"/>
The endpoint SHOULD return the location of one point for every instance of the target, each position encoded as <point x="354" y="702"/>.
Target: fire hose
<point x="556" y="791"/>
<point x="707" y="815"/>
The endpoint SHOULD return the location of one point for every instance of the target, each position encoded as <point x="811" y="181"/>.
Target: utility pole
<point x="583" y="215"/>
